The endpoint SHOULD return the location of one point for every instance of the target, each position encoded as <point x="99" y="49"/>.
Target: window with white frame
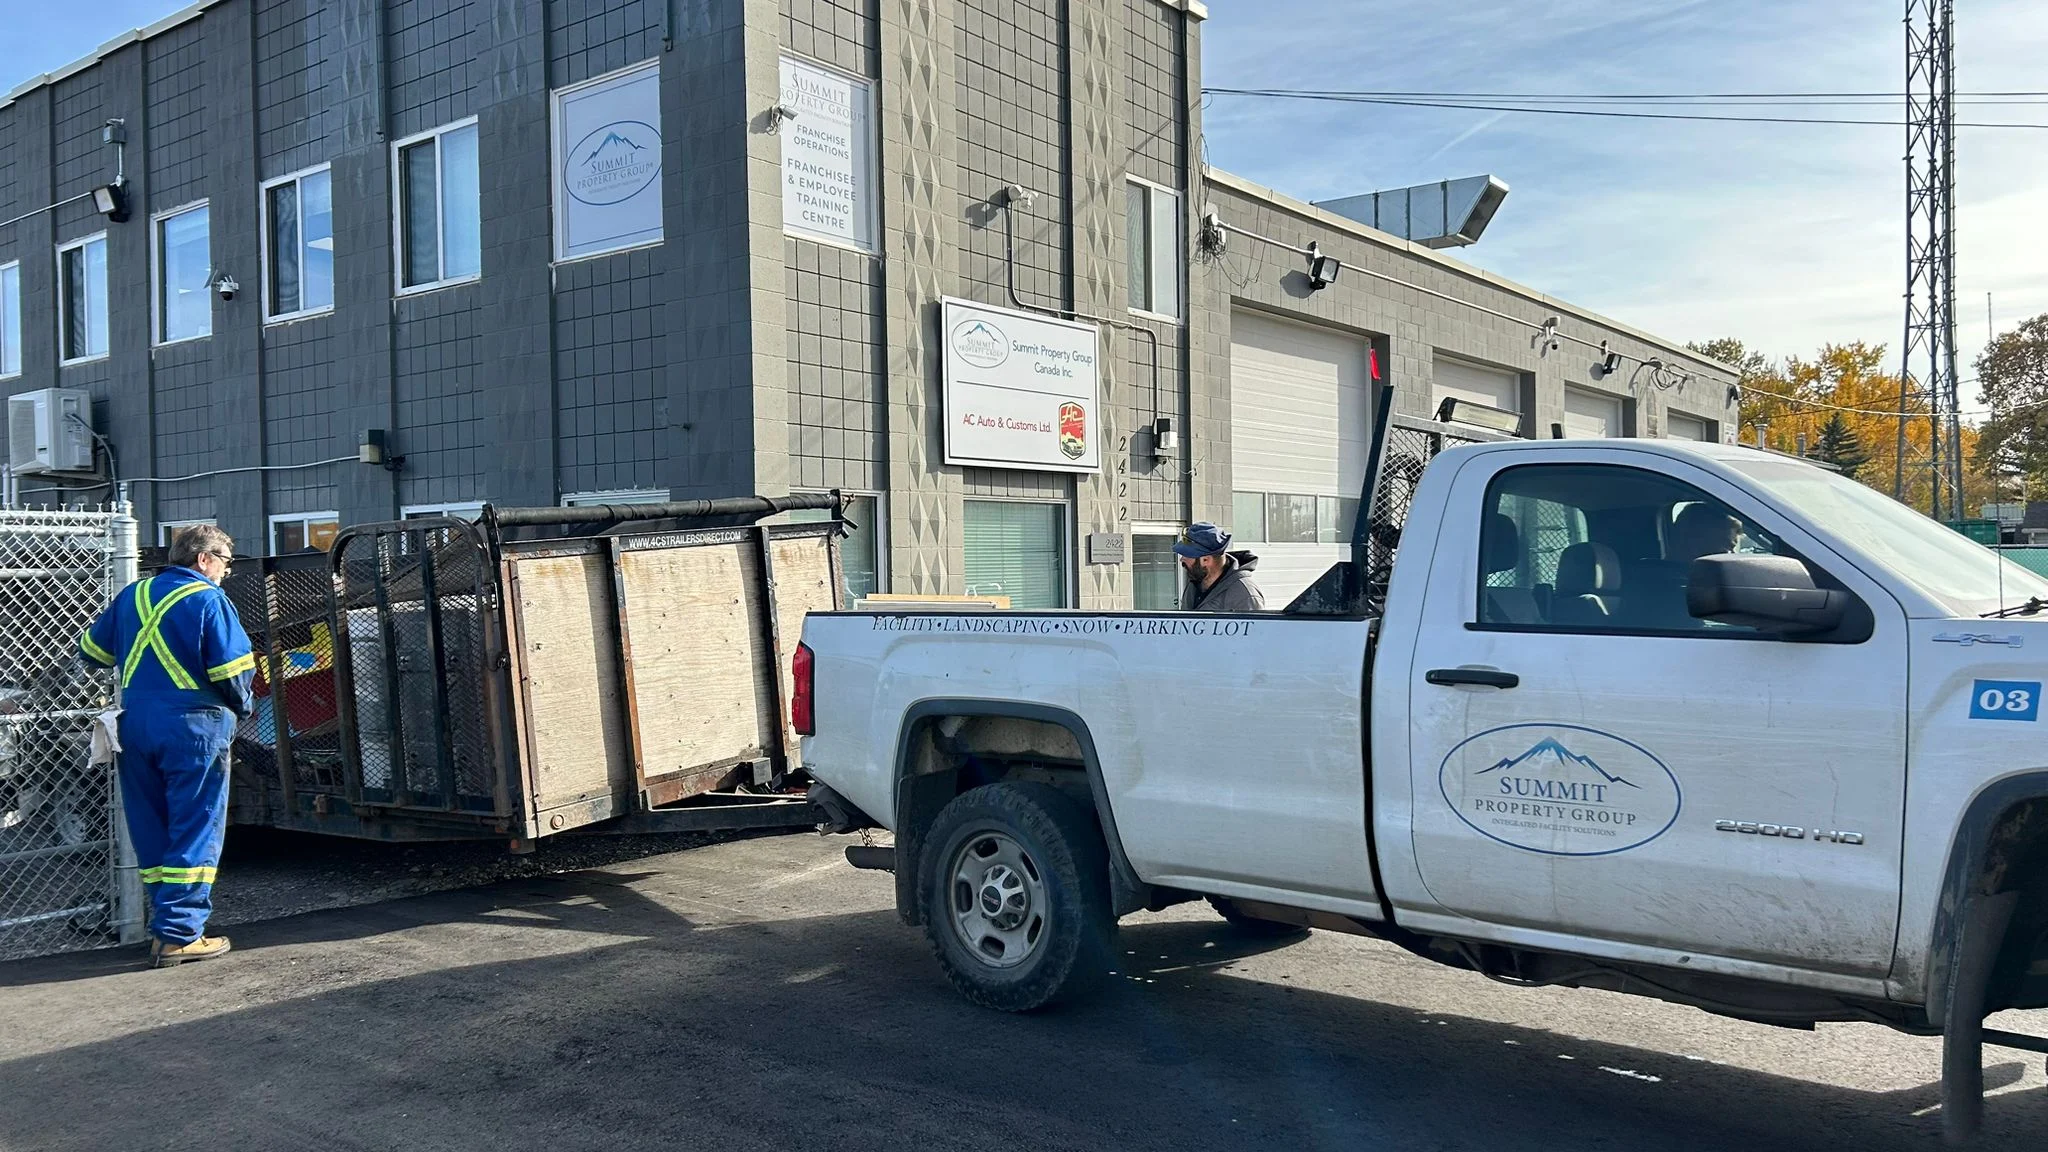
<point x="303" y="532"/>
<point x="1155" y="568"/>
<point x="462" y="510"/>
<point x="298" y="244"/>
<point x="10" y="319"/>
<point x="82" y="299"/>
<point x="182" y="245"/>
<point x="1153" y="240"/>
<point x="616" y="496"/>
<point x="439" y="223"/>
<point x="166" y="529"/>
<point x="863" y="553"/>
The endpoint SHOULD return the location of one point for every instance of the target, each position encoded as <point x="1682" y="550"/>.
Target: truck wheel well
<point x="2016" y="860"/>
<point x="948" y="748"/>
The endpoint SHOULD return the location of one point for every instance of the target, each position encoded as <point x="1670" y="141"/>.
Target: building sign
<point x="606" y="156"/>
<point x="827" y="154"/>
<point x="1022" y="391"/>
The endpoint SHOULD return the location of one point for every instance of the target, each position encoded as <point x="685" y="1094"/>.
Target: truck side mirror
<point x="1774" y="594"/>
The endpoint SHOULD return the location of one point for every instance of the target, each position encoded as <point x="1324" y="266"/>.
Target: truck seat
<point x="1588" y="585"/>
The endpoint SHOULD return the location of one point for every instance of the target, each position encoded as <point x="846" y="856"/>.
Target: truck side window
<point x="1601" y="548"/>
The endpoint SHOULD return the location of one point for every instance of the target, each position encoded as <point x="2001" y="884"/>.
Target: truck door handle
<point x="1482" y="677"/>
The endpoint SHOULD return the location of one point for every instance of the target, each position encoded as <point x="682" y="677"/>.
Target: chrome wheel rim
<point x="996" y="894"/>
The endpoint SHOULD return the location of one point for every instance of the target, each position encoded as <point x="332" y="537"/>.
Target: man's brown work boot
<point x="162" y="955"/>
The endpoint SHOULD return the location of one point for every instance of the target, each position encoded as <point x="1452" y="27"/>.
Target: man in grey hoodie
<point x="1217" y="580"/>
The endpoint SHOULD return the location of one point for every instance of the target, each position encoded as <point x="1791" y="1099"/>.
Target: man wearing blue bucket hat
<point x="1217" y="580"/>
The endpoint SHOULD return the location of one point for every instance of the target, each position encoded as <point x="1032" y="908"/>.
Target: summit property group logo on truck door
<point x="1560" y="789"/>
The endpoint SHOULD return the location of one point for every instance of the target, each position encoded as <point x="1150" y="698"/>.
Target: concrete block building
<point x="588" y="251"/>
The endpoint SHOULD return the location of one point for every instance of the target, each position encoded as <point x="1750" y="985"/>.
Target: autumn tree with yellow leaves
<point x="1793" y="402"/>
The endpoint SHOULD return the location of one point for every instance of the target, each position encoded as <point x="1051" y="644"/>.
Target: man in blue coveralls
<point x="185" y="668"/>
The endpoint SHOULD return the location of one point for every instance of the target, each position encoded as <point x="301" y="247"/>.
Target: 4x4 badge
<point x="1968" y="638"/>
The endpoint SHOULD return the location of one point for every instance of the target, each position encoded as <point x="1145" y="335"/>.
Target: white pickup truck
<point x="1688" y="721"/>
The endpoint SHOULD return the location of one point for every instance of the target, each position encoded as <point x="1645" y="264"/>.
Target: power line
<point x="1621" y="96"/>
<point x="1281" y="94"/>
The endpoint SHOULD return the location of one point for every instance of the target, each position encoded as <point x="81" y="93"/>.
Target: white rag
<point x="106" y="736"/>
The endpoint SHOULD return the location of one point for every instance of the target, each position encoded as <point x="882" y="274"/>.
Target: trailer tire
<point x="1252" y="925"/>
<point x="1014" y="882"/>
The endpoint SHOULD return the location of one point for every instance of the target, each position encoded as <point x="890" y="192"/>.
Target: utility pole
<point x="1930" y="336"/>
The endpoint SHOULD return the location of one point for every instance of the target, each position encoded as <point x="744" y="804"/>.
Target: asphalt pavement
<point x="760" y="994"/>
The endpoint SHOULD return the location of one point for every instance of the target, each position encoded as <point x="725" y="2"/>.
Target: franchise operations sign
<point x="606" y="153"/>
<point x="827" y="178"/>
<point x="1022" y="391"/>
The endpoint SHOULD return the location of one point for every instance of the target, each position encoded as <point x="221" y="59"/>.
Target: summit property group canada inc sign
<point x="1022" y="391"/>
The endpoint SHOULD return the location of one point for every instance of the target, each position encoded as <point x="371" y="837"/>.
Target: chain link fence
<point x="62" y="881"/>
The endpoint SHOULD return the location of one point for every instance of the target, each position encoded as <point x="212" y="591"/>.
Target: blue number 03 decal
<point x="2005" y="700"/>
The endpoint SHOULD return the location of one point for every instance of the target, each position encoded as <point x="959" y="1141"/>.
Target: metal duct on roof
<point x="1446" y="214"/>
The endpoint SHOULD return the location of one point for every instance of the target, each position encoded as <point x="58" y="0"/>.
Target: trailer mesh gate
<point x="61" y="886"/>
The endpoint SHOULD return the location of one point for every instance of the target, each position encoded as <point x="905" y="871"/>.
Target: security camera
<point x="227" y="287"/>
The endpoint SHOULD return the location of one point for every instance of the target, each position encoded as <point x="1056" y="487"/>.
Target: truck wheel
<point x="1015" y="883"/>
<point x="1252" y="925"/>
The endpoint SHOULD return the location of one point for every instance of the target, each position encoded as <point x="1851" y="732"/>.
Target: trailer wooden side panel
<point x="702" y="684"/>
<point x="581" y="745"/>
<point x="804" y="583"/>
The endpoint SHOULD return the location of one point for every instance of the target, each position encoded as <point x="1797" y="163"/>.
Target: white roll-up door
<point x="1678" y="426"/>
<point x="1479" y="383"/>
<point x="1590" y="415"/>
<point x="1300" y="427"/>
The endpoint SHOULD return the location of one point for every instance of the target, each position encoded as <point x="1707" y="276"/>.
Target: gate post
<point x="131" y="908"/>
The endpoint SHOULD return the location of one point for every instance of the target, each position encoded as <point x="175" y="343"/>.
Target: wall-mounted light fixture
<point x="111" y="200"/>
<point x="1610" y="361"/>
<point x="1322" y="268"/>
<point x="374" y="452"/>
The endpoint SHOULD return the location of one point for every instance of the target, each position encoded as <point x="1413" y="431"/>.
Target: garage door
<point x="1300" y="425"/>
<point x="1479" y="383"/>
<point x="1590" y="415"/>
<point x="1678" y="426"/>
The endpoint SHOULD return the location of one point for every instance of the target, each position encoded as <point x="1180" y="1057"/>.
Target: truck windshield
<point x="1935" y="558"/>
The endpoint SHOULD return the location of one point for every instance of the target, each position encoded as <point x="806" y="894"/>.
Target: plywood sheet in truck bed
<point x="578" y="722"/>
<point x="699" y="660"/>
<point x="803" y="583"/>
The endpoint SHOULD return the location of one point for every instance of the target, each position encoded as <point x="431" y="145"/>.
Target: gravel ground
<point x="266" y="873"/>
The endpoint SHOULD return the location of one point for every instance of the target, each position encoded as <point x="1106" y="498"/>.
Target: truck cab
<point x="1685" y="720"/>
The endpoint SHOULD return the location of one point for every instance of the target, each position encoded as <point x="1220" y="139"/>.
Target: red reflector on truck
<point x="800" y="714"/>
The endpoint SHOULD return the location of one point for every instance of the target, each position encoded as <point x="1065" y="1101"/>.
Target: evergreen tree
<point x="1839" y="445"/>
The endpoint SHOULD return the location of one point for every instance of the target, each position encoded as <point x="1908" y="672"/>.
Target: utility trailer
<point x="619" y="668"/>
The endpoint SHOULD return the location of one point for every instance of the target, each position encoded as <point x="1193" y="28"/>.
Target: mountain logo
<point x="613" y="163"/>
<point x="980" y="343"/>
<point x="1560" y="789"/>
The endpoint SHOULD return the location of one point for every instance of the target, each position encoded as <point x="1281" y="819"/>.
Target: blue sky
<point x="1783" y="235"/>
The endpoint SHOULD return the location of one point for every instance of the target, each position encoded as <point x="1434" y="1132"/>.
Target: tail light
<point x="801" y="716"/>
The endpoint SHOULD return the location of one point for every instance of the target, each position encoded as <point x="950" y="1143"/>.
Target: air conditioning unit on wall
<point x="49" y="431"/>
